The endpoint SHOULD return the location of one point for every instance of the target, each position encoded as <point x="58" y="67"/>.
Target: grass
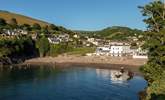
<point x="82" y="51"/>
<point x="21" y="19"/>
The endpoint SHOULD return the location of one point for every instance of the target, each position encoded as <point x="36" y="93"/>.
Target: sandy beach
<point x="88" y="60"/>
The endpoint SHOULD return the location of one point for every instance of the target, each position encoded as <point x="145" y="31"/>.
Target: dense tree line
<point x="16" y="50"/>
<point x="41" y="44"/>
<point x="24" y="46"/>
<point x="154" y="70"/>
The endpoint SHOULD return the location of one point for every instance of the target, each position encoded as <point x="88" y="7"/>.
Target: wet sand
<point x="89" y="61"/>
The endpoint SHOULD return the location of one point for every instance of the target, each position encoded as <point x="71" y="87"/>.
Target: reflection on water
<point x="116" y="76"/>
<point x="11" y="75"/>
<point x="72" y="83"/>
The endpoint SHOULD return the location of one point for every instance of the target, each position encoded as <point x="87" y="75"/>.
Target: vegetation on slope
<point x="23" y="47"/>
<point x="21" y="19"/>
<point x="117" y="33"/>
<point x="16" y="49"/>
<point x="81" y="51"/>
<point x="154" y="70"/>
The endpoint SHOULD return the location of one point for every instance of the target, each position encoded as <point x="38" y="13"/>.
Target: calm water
<point x="76" y="83"/>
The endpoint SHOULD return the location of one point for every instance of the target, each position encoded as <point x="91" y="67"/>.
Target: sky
<point x="81" y="14"/>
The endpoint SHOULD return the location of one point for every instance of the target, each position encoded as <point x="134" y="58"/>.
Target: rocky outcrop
<point x="5" y="61"/>
<point x="15" y="59"/>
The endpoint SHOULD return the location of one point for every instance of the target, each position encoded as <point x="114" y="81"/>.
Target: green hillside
<point x="119" y="33"/>
<point x="21" y="19"/>
<point x="114" y="33"/>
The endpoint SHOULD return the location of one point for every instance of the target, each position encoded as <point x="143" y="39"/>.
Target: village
<point x="82" y="50"/>
<point x="117" y="49"/>
<point x="103" y="47"/>
<point x="53" y="38"/>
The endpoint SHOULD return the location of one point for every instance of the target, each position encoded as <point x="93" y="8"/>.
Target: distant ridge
<point x="118" y="33"/>
<point x="21" y="19"/>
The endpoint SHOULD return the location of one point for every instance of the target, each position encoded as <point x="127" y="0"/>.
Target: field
<point x="81" y="51"/>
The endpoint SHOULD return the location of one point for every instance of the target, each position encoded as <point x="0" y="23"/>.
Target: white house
<point x="140" y="54"/>
<point x="104" y="50"/>
<point x="63" y="37"/>
<point x="90" y="39"/>
<point x="76" y="36"/>
<point x="23" y="32"/>
<point x="10" y="32"/>
<point x="93" y="41"/>
<point x="119" y="49"/>
<point x="53" y="40"/>
<point x="14" y="32"/>
<point x="114" y="49"/>
<point x="56" y="39"/>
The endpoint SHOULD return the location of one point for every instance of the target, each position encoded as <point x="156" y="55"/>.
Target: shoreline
<point x="89" y="61"/>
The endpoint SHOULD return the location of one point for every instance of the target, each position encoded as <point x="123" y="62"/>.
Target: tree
<point x="2" y="22"/>
<point x="43" y="46"/>
<point x="53" y="27"/>
<point x="13" y="23"/>
<point x="155" y="13"/>
<point x="16" y="49"/>
<point x="26" y="27"/>
<point x="154" y="70"/>
<point x="36" y="26"/>
<point x="45" y="29"/>
<point x="133" y="44"/>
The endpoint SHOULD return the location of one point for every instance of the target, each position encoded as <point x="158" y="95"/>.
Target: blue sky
<point x="81" y="14"/>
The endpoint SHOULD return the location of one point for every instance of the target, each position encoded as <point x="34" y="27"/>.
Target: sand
<point x="88" y="60"/>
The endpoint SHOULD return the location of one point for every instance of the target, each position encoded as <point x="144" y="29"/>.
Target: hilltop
<point x="117" y="32"/>
<point x="21" y="19"/>
<point x="114" y="33"/>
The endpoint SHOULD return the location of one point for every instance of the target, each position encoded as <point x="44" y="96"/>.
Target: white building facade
<point x="140" y="54"/>
<point x="114" y="49"/>
<point x="120" y="50"/>
<point x="104" y="50"/>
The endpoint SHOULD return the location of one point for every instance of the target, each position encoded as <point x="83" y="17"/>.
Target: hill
<point x="114" y="33"/>
<point x="119" y="33"/>
<point x="21" y="19"/>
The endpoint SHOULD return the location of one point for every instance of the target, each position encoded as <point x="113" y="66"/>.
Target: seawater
<point x="71" y="83"/>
